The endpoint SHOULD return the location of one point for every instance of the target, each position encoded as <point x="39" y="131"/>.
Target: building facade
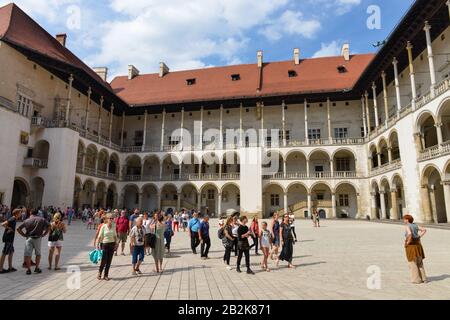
<point x="353" y="136"/>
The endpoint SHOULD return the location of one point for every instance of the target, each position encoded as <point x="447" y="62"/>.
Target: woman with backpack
<point x="226" y="235"/>
<point x="55" y="241"/>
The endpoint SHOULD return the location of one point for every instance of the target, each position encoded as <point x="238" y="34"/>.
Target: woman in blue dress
<point x="275" y="231"/>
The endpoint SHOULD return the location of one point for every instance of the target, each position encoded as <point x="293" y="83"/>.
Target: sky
<point x="204" y="33"/>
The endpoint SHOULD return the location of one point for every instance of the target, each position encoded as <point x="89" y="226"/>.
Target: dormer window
<point x="342" y="69"/>
<point x="191" y="82"/>
<point x="292" y="73"/>
<point x="235" y="77"/>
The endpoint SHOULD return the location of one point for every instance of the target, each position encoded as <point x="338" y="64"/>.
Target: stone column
<point x="122" y="200"/>
<point x="122" y="130"/>
<point x="448" y="5"/>
<point x="366" y="102"/>
<point x="306" y="122"/>
<point x="430" y="57"/>
<point x="93" y="198"/>
<point x="432" y="190"/>
<point x="263" y="134"/>
<point x="284" y="168"/>
<point x="373" y="205"/>
<point x="111" y="116"/>
<point x="286" y="207"/>
<point x="397" y="85"/>
<point x="221" y="145"/>
<point x="379" y="159"/>
<point x="412" y="77"/>
<point x="390" y="154"/>
<point x="141" y="195"/>
<point x="99" y="129"/>
<point x="144" y="137"/>
<point x="182" y="129"/>
<point x="88" y="102"/>
<point x="332" y="167"/>
<point x="330" y="134"/>
<point x="446" y="186"/>
<point x="359" y="212"/>
<point x="375" y="104"/>
<point x="307" y="168"/>
<point x="201" y="127"/>
<point x="394" y="215"/>
<point x="199" y="201"/>
<point x="69" y="100"/>
<point x="219" y="204"/>
<point x="163" y="129"/>
<point x="283" y="122"/>
<point x="439" y="133"/>
<point x="309" y="205"/>
<point x="426" y="205"/>
<point x="158" y="200"/>
<point x="366" y="132"/>
<point x="333" y="206"/>
<point x="83" y="161"/>
<point x="383" y="205"/>
<point x="105" y="194"/>
<point x="385" y="98"/>
<point x="161" y="170"/>
<point x="179" y="201"/>
<point x="241" y="128"/>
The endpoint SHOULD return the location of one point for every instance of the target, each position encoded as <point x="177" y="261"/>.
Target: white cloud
<point x="339" y="7"/>
<point x="291" y="23"/>
<point x="328" y="50"/>
<point x="48" y="9"/>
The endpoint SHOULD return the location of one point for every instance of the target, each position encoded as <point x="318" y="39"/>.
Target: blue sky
<point x="202" y="33"/>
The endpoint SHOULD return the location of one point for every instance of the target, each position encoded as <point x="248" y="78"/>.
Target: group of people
<point x="151" y="234"/>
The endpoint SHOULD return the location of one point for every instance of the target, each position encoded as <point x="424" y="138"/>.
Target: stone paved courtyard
<point x="331" y="263"/>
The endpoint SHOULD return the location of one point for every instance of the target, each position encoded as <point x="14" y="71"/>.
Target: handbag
<point x="54" y="235"/>
<point x="151" y="239"/>
<point x="95" y="256"/>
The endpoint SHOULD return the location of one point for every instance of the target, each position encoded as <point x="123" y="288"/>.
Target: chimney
<point x="260" y="58"/>
<point x="345" y="52"/>
<point x="62" y="37"/>
<point x="163" y="69"/>
<point x="102" y="73"/>
<point x="297" y="56"/>
<point x="132" y="72"/>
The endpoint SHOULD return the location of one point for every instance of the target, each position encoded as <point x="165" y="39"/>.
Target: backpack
<point x="221" y="233"/>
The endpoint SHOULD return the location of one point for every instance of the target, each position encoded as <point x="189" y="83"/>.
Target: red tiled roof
<point x="313" y="75"/>
<point x="18" y="28"/>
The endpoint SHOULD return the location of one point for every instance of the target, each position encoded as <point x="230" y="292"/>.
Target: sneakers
<point x="4" y="271"/>
<point x="37" y="271"/>
<point x="229" y="268"/>
<point x="28" y="272"/>
<point x="249" y="271"/>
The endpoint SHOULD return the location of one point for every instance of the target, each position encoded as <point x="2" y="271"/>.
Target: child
<point x="243" y="233"/>
<point x="137" y="239"/>
<point x="8" y="240"/>
<point x="265" y="239"/>
<point x="90" y="221"/>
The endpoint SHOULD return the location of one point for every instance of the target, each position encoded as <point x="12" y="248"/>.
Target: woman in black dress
<point x="287" y="241"/>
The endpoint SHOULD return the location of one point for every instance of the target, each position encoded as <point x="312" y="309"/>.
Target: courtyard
<point x="332" y="263"/>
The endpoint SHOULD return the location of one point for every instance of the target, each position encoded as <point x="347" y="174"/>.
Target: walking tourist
<point x="137" y="238"/>
<point x="265" y="237"/>
<point x="184" y="217"/>
<point x="275" y="230"/>
<point x="97" y="217"/>
<point x="292" y="223"/>
<point x="8" y="240"/>
<point x="55" y="241"/>
<point x="414" y="250"/>
<point x="35" y="229"/>
<point x="228" y="241"/>
<point x="147" y="222"/>
<point x="315" y="218"/>
<point x="243" y="245"/>
<point x="194" y="225"/>
<point x="254" y="228"/>
<point x="168" y="233"/>
<point x="203" y="233"/>
<point x="123" y="229"/>
<point x="235" y="227"/>
<point x="175" y="222"/>
<point x="287" y="242"/>
<point x="107" y="240"/>
<point x="158" y="250"/>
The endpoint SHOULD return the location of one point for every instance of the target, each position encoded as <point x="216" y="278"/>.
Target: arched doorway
<point x="295" y="164"/>
<point x="321" y="198"/>
<point x="320" y="164"/>
<point x="273" y="199"/>
<point x="297" y="196"/>
<point x="444" y="119"/>
<point x="80" y="155"/>
<point x="384" y="152"/>
<point x="169" y="197"/>
<point x="101" y="195"/>
<point x="20" y="194"/>
<point x="77" y="193"/>
<point x="150" y="196"/>
<point x="189" y="196"/>
<point x="428" y="131"/>
<point x="111" y="197"/>
<point x="114" y="165"/>
<point x="395" y="147"/>
<point x="346" y="201"/>
<point x="131" y="197"/>
<point x="344" y="163"/>
<point x="37" y="192"/>
<point x="209" y="197"/>
<point x="385" y="196"/>
<point x="87" y="195"/>
<point x="151" y="168"/>
<point x="231" y="199"/>
<point x="397" y="198"/>
<point x="373" y="156"/>
<point x="433" y="200"/>
<point x="41" y="151"/>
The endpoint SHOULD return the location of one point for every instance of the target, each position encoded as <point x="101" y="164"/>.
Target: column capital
<point x="112" y="107"/>
<point x="427" y="27"/>
<point x="71" y="78"/>
<point x="101" y="101"/>
<point x="438" y="124"/>
<point x="394" y="190"/>
<point x="395" y="61"/>
<point x="374" y="86"/>
<point x="445" y="182"/>
<point x="89" y="92"/>
<point x="373" y="194"/>
<point x="383" y="73"/>
<point x="409" y="46"/>
<point x="366" y="94"/>
<point x="382" y="192"/>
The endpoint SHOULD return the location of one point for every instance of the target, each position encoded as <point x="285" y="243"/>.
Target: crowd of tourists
<point x="151" y="234"/>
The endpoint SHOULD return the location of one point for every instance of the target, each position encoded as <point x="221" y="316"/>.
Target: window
<point x="342" y="69"/>
<point x="24" y="105"/>
<point x="275" y="200"/>
<point x="287" y="133"/>
<point x="363" y="133"/>
<point x="313" y="134"/>
<point x="292" y="73"/>
<point x="320" y="196"/>
<point x="341" y="133"/>
<point x="343" y="200"/>
<point x="191" y="82"/>
<point x="211" y="194"/>
<point x="235" y="77"/>
<point x="173" y="141"/>
<point x="343" y="164"/>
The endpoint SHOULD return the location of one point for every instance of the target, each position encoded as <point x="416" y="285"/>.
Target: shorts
<point x="8" y="248"/>
<point x="138" y="253"/>
<point x="276" y="241"/>
<point x="55" y="244"/>
<point x="122" y="237"/>
<point x="32" y="244"/>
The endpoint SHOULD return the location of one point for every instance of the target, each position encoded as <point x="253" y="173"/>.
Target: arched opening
<point x="320" y="164"/>
<point x="133" y="167"/>
<point x="344" y="163"/>
<point x="376" y="201"/>
<point x="373" y="156"/>
<point x="103" y="159"/>
<point x="385" y="195"/>
<point x="210" y="165"/>
<point x="189" y="196"/>
<point x="428" y="131"/>
<point x="114" y="165"/>
<point x="150" y="198"/>
<point x="297" y="195"/>
<point x="296" y="165"/>
<point x="273" y="199"/>
<point x="111" y="197"/>
<point x="231" y="199"/>
<point x="321" y="199"/>
<point x="20" y="194"/>
<point x="37" y="192"/>
<point x="190" y="166"/>
<point x="87" y="195"/>
<point x="209" y="197"/>
<point x="80" y="155"/>
<point x="231" y="165"/>
<point x="77" y="193"/>
<point x="346" y="201"/>
<point x="395" y="147"/>
<point x="272" y="164"/>
<point x="169" y="197"/>
<point x="101" y="195"/>
<point x="41" y="150"/>
<point x="398" y="197"/>
<point x="151" y="168"/>
<point x="91" y="157"/>
<point x="170" y="168"/>
<point x="384" y="153"/>
<point x="434" y="201"/>
<point x="131" y="197"/>
<point x="444" y="119"/>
